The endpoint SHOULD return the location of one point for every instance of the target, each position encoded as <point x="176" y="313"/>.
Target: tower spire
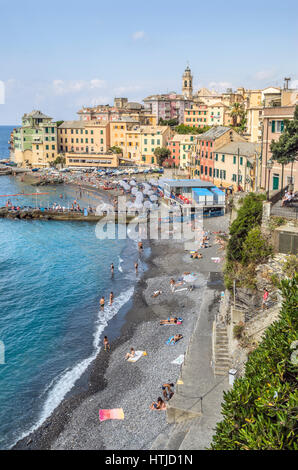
<point x="187" y="82"/>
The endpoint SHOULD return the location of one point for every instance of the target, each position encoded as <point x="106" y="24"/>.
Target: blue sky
<point x="60" y="55"/>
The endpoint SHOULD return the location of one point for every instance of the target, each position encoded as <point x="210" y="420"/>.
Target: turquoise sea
<point x="52" y="275"/>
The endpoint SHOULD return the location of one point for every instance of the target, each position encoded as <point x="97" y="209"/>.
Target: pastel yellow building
<point x="151" y="138"/>
<point x="237" y="164"/>
<point x="83" y="137"/>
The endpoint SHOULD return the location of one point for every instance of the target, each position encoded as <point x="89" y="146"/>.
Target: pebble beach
<point x="115" y="383"/>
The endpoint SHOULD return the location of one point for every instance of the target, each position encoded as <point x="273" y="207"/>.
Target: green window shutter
<point x="282" y="126"/>
<point x="216" y="157"/>
<point x="273" y="127"/>
<point x="241" y="160"/>
<point x="234" y="160"/>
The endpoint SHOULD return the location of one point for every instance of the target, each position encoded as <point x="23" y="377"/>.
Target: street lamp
<point x="269" y="167"/>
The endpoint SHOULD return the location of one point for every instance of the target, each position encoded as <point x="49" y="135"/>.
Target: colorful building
<point x="237" y="164"/>
<point x="273" y="119"/>
<point x="35" y="142"/>
<point x="208" y="143"/>
<point x="151" y="138"/>
<point x="83" y="137"/>
<point x="167" y="106"/>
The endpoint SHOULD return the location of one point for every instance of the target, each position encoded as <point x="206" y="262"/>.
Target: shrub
<point x="260" y="412"/>
<point x="238" y="330"/>
<point x="255" y="248"/>
<point x="290" y="267"/>
<point x="249" y="216"/>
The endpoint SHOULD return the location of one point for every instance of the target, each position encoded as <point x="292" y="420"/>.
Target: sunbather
<point x="158" y="405"/>
<point x="156" y="293"/>
<point x="175" y="339"/>
<point x="167" y="391"/>
<point x="196" y="255"/>
<point x="132" y="353"/>
<point x="169" y="321"/>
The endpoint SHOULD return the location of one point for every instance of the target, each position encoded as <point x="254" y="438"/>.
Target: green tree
<point x="168" y="122"/>
<point x="162" y="154"/>
<point x="60" y="160"/>
<point x="285" y="150"/>
<point x="255" y="247"/>
<point x="59" y="123"/>
<point x="237" y="114"/>
<point x="183" y="129"/>
<point x="260" y="411"/>
<point x="115" y="149"/>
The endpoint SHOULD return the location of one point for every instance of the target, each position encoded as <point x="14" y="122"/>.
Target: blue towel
<point x="168" y="341"/>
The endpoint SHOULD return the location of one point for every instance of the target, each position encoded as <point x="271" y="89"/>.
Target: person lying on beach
<point x="132" y="353"/>
<point x="158" y="405"/>
<point x="156" y="293"/>
<point x="175" y="339"/>
<point x="167" y="391"/>
<point x="106" y="343"/>
<point x="196" y="255"/>
<point x="169" y="321"/>
<point x="174" y="284"/>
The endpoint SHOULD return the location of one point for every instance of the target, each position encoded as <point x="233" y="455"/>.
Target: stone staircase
<point x="222" y="360"/>
<point x="174" y="439"/>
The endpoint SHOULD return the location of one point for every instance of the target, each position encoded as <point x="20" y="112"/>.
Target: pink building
<point x="168" y="106"/>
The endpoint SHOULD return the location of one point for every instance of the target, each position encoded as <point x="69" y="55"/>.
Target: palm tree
<point x="237" y="113"/>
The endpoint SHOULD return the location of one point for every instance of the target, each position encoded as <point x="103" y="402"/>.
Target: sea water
<point x="52" y="275"/>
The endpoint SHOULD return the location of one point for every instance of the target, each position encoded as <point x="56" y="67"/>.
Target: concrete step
<point x="160" y="442"/>
<point x="177" y="435"/>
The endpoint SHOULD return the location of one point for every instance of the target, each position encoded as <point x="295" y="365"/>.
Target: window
<point x="279" y="126"/>
<point x="222" y="158"/>
<point x="47" y="147"/>
<point x="53" y="147"/>
<point x="145" y="141"/>
<point x="216" y="157"/>
<point x="234" y="178"/>
<point x="210" y="171"/>
<point x="273" y="127"/>
<point x="234" y="160"/>
<point x="241" y="160"/>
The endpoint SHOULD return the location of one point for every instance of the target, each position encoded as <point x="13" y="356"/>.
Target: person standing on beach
<point x="102" y="303"/>
<point x="265" y="298"/>
<point x="106" y="343"/>
<point x="136" y="267"/>
<point x="112" y="269"/>
<point x="111" y="298"/>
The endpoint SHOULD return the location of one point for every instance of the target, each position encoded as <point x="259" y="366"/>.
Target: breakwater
<point x="37" y="214"/>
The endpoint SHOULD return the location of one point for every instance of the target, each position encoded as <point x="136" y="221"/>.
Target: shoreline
<point x="74" y="424"/>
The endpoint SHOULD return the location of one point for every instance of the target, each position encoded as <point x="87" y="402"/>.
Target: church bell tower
<point x="187" y="83"/>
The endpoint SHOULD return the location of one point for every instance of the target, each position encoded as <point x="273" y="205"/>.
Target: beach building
<point x="35" y="142"/>
<point x="194" y="193"/>
<point x="91" y="160"/>
<point x="237" y="164"/>
<point x="208" y="143"/>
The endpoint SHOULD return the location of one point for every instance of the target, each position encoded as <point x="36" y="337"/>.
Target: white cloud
<point x="220" y="86"/>
<point x="62" y="87"/>
<point x="138" y="35"/>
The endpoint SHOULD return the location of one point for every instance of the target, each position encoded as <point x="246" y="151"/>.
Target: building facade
<point x="84" y="137"/>
<point x="208" y="143"/>
<point x="35" y="143"/>
<point x="277" y="177"/>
